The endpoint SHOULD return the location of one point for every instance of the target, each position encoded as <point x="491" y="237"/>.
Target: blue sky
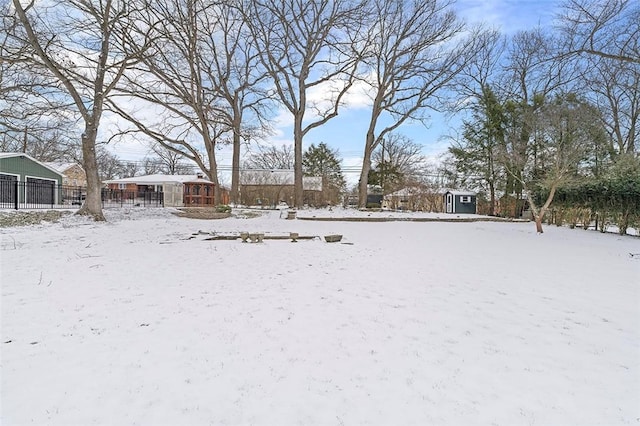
<point x="346" y="132"/>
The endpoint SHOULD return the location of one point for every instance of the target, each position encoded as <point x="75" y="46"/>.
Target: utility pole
<point x="24" y="141"/>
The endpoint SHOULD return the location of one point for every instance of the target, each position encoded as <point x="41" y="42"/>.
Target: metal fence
<point x="121" y="197"/>
<point x="49" y="195"/>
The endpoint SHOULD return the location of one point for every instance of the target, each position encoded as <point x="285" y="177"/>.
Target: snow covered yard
<point x="137" y="321"/>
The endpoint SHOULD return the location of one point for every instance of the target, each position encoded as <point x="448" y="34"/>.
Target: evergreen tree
<point x="476" y="155"/>
<point x="324" y="162"/>
<point x="387" y="175"/>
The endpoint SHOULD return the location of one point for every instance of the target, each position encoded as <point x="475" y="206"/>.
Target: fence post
<point x="17" y="197"/>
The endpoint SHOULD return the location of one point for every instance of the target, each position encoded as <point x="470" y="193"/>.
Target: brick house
<point x="73" y="174"/>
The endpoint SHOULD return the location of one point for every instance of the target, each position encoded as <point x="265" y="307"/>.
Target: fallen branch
<point x="266" y="237"/>
<point x="223" y="237"/>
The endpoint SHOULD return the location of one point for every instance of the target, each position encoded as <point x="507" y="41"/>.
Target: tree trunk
<point x="538" y="214"/>
<point x="213" y="177"/>
<point x="92" y="205"/>
<point x="538" y="220"/>
<point x="624" y="222"/>
<point x="235" y="159"/>
<point x="235" y="169"/>
<point x="297" y="160"/>
<point x="492" y="199"/>
<point x="363" y="183"/>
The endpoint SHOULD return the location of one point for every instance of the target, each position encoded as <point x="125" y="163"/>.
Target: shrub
<point x="612" y="198"/>
<point x="223" y="208"/>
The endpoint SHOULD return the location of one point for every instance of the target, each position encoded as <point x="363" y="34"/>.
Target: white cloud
<point x="282" y="120"/>
<point x="323" y="95"/>
<point x="359" y="96"/>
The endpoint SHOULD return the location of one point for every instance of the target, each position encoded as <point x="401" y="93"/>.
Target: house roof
<point x="62" y="167"/>
<point x="278" y="177"/>
<point x="159" y="179"/>
<point x="267" y="177"/>
<point x="22" y="154"/>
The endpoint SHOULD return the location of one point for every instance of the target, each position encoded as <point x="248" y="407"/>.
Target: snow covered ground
<point x="139" y="322"/>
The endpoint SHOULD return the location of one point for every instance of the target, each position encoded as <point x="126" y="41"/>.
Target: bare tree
<point x="109" y="165"/>
<point x="404" y="153"/>
<point x="39" y="135"/>
<point x="172" y="82"/>
<point x="410" y="58"/>
<point x="203" y="80"/>
<point x="561" y="134"/>
<point x="613" y="87"/>
<point x="271" y="158"/>
<point x="605" y="28"/>
<point x="482" y="70"/>
<point x="238" y="79"/>
<point x="304" y="46"/>
<point x="532" y="72"/>
<point x="34" y="117"/>
<point x="152" y="166"/>
<point x="163" y="160"/>
<point x="79" y="44"/>
<point x="129" y="169"/>
<point x="400" y="156"/>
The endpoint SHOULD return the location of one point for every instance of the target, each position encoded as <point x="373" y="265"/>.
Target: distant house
<point x="176" y="190"/>
<point x="270" y="187"/>
<point x="459" y="202"/>
<point x="73" y="173"/>
<point x="409" y="198"/>
<point x="25" y="180"/>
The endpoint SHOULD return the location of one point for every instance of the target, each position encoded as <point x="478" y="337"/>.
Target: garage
<point x="27" y="183"/>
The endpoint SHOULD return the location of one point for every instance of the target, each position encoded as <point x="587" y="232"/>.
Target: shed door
<point x="40" y="191"/>
<point x="8" y="188"/>
<point x="450" y="203"/>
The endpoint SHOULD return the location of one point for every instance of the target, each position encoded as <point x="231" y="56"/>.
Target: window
<point x="122" y="186"/>
<point x="465" y="198"/>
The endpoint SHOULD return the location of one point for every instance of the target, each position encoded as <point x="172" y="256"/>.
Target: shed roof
<point x="22" y="154"/>
<point x="460" y="192"/>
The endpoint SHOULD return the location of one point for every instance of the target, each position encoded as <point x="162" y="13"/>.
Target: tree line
<point x="554" y="112"/>
<point x="192" y="75"/>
